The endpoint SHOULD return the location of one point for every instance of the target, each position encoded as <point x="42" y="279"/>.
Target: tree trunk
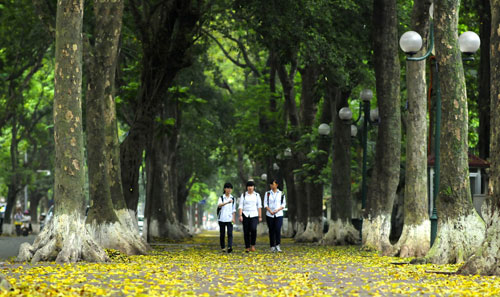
<point x="35" y="198"/>
<point x="385" y="179"/>
<point x="167" y="32"/>
<point x="485" y="260"/>
<point x="297" y="193"/>
<point x="415" y="237"/>
<point x="484" y="80"/>
<point x="313" y="202"/>
<point x="301" y="202"/>
<point x="460" y="228"/>
<point x="66" y="239"/>
<point x="340" y="230"/>
<point x="162" y="190"/>
<point x="115" y="230"/>
<point x="291" y="198"/>
<point x="14" y="186"/>
<point x="155" y="200"/>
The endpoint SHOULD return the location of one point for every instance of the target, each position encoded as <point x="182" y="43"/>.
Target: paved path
<point x="9" y="245"/>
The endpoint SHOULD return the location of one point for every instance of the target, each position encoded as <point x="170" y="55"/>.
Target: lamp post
<point x="263" y="177"/>
<point x="324" y="129"/>
<point x="287" y="153"/>
<point x="345" y="115"/>
<point x="411" y="42"/>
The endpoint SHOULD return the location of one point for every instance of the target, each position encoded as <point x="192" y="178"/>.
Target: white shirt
<point x="273" y="201"/>
<point x="226" y="211"/>
<point x="250" y="203"/>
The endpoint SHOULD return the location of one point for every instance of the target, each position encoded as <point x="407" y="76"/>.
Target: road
<point x="9" y="245"/>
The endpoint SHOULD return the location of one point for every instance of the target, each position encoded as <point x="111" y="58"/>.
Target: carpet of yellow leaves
<point x="197" y="267"/>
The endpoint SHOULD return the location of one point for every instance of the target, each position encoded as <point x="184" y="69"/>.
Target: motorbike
<point x="26" y="225"/>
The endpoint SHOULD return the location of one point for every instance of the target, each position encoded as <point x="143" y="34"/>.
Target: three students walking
<point x="250" y="214"/>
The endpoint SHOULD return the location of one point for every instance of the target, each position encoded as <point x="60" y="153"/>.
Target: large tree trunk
<point x="166" y="32"/>
<point x="162" y="190"/>
<point x="155" y="198"/>
<point x="385" y="179"/>
<point x="484" y="79"/>
<point x="485" y="260"/>
<point x="460" y="228"/>
<point x="340" y="230"/>
<point x="415" y="237"/>
<point x="14" y="186"/>
<point x="35" y="198"/>
<point x="291" y="198"/>
<point x="111" y="230"/>
<point x="298" y="194"/>
<point x="313" y="201"/>
<point x="66" y="238"/>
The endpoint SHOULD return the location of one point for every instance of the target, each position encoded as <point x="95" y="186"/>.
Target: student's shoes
<point x="273" y="249"/>
<point x="252" y="248"/>
<point x="229" y="250"/>
<point x="223" y="250"/>
<point x="247" y="250"/>
<point x="278" y="249"/>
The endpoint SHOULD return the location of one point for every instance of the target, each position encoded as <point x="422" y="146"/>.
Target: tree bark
<point x="484" y="80"/>
<point x="14" y="186"/>
<point x="485" y="260"/>
<point x="115" y="230"/>
<point x="312" y="204"/>
<point x="156" y="213"/>
<point x="385" y="178"/>
<point x="291" y="198"/>
<point x="415" y="237"/>
<point x="341" y="230"/>
<point x="66" y="239"/>
<point x="296" y="194"/>
<point x="460" y="228"/>
<point x="166" y="33"/>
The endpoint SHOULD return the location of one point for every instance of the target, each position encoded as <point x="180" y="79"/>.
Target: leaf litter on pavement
<point x="197" y="267"/>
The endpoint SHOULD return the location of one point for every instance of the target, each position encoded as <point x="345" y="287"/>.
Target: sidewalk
<point x="9" y="245"/>
<point x="196" y="267"/>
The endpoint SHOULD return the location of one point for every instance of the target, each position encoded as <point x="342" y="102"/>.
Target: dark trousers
<point x="250" y="230"/>
<point x="18" y="230"/>
<point x="274" y="224"/>
<point x="222" y="227"/>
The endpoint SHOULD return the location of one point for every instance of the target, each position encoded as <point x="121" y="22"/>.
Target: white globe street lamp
<point x="469" y="42"/>
<point x="345" y="114"/>
<point x="354" y="130"/>
<point x="324" y="129"/>
<point x="263" y="176"/>
<point x="366" y="95"/>
<point x="410" y="42"/>
<point x="374" y="117"/>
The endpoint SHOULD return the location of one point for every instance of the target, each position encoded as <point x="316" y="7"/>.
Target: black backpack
<point x="219" y="208"/>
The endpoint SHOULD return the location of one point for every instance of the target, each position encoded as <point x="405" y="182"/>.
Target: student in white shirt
<point x="274" y="203"/>
<point x="250" y="210"/>
<point x="226" y="215"/>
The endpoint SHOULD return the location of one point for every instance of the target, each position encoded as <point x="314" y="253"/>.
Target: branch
<point x="241" y="46"/>
<point x="224" y="50"/>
